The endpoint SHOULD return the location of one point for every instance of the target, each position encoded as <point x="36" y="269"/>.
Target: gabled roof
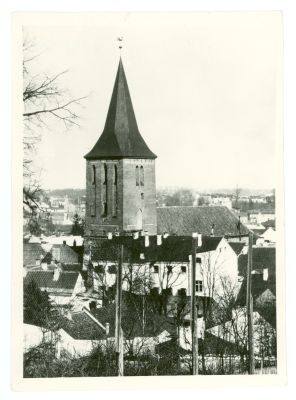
<point x="66" y="254"/>
<point x="44" y="280"/>
<point x="121" y="137"/>
<point x="183" y="220"/>
<point x="172" y="249"/>
<point x="31" y="253"/>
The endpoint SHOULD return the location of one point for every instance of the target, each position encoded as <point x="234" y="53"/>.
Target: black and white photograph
<point x="151" y="215"/>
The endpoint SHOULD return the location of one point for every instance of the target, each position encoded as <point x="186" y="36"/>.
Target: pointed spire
<point x="121" y="137"/>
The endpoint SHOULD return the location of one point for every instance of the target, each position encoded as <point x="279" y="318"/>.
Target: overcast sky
<point x="205" y="90"/>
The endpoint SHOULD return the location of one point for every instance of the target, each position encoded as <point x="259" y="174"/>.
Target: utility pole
<point x="194" y="337"/>
<point x="118" y="330"/>
<point x="250" y="308"/>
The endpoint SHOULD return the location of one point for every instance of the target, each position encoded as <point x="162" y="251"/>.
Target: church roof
<point x="183" y="220"/>
<point x="121" y="137"/>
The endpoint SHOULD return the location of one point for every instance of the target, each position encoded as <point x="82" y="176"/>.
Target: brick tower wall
<point x="125" y="200"/>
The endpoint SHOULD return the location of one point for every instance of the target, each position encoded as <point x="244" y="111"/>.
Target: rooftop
<point x="183" y="220"/>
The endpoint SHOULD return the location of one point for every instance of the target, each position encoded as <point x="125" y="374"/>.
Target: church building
<point x="120" y="172"/>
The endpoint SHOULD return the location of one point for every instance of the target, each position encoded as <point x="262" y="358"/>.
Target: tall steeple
<point x="121" y="137"/>
<point x="120" y="172"/>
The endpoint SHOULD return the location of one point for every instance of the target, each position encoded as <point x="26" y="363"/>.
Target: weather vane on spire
<point x="120" y="40"/>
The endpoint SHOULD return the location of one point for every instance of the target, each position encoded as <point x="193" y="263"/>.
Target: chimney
<point x="199" y="240"/>
<point x="44" y="266"/>
<point x="107" y="328"/>
<point x="212" y="230"/>
<point x="57" y="273"/>
<point x="109" y="235"/>
<point x="165" y="235"/>
<point x="142" y="256"/>
<point x="265" y="274"/>
<point x="146" y="240"/>
<point x="64" y="243"/>
<point x="159" y="240"/>
<point x="136" y="235"/>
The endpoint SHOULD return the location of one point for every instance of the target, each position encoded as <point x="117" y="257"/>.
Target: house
<point x="33" y="253"/>
<point x="267" y="237"/>
<point x="80" y="332"/>
<point x="62" y="286"/>
<point x="163" y="263"/>
<point x="235" y="331"/>
<point x="64" y="254"/>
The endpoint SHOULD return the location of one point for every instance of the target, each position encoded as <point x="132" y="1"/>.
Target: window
<point x="112" y="269"/>
<point x="198" y="286"/>
<point x="115" y="175"/>
<point x="141" y="176"/>
<point x="93" y="181"/>
<point x="169" y="269"/>
<point x="183" y="269"/>
<point x="115" y="200"/>
<point x="142" y="196"/>
<point x="182" y="292"/>
<point x="105" y="209"/>
<point x="92" y="210"/>
<point x="137" y="176"/>
<point x="105" y="175"/>
<point x="156" y="269"/>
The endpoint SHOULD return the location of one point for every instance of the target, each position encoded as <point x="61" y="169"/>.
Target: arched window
<point x="137" y="176"/>
<point x="105" y="175"/>
<point x="141" y="176"/>
<point x="115" y="175"/>
<point x="115" y="201"/>
<point x="93" y="180"/>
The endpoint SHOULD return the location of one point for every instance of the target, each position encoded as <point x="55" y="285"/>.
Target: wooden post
<point x="250" y="308"/>
<point x="118" y="330"/>
<point x="194" y="337"/>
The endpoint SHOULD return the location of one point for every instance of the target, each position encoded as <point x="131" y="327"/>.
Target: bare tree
<point x="46" y="102"/>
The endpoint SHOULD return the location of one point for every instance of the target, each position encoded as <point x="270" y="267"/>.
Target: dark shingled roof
<point x="183" y="220"/>
<point x="121" y="137"/>
<point x="262" y="257"/>
<point x="31" y="253"/>
<point x="172" y="249"/>
<point x="84" y="328"/>
<point x="44" y="279"/>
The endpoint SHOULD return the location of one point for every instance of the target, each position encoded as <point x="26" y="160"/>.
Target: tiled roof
<point x="121" y="137"/>
<point x="259" y="286"/>
<point x="185" y="220"/>
<point x="44" y="279"/>
<point x="262" y="257"/>
<point x="32" y="252"/>
<point x="66" y="254"/>
<point x="133" y="317"/>
<point x="84" y="328"/>
<point x="172" y="249"/>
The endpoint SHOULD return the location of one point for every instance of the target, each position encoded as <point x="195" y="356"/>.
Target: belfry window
<point x="141" y="176"/>
<point x="93" y="180"/>
<point x="115" y="200"/>
<point x="105" y="175"/>
<point x="137" y="176"/>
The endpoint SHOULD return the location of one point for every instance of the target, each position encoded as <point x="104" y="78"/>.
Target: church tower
<point x="120" y="172"/>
